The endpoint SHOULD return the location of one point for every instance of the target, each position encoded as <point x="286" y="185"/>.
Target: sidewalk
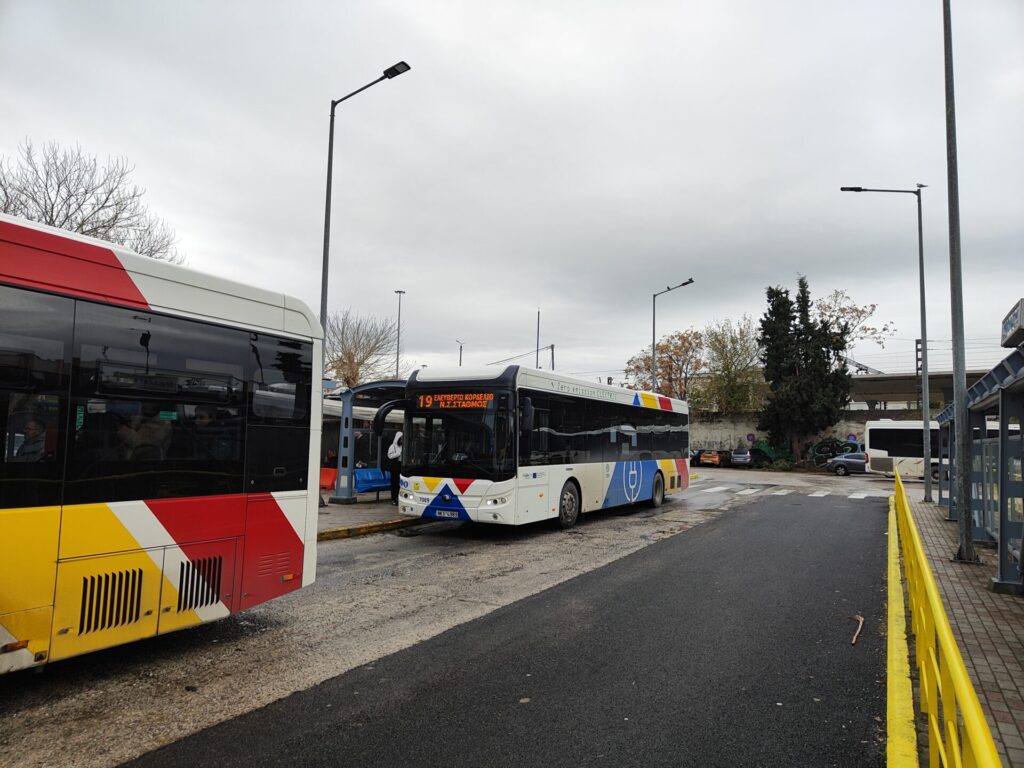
<point x="342" y="521"/>
<point x="988" y="627"/>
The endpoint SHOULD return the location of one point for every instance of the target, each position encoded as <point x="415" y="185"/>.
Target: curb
<point x="365" y="529"/>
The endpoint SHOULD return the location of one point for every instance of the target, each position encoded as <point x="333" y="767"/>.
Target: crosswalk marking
<point x="784" y="491"/>
<point x="819" y="494"/>
<point x="718" y="488"/>
<point x="859" y="495"/>
<point x="747" y="491"/>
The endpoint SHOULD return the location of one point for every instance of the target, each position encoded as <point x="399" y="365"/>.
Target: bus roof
<point x="893" y="424"/>
<point x="532" y="378"/>
<point x="50" y="259"/>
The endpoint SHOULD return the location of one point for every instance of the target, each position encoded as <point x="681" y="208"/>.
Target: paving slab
<point x="988" y="627"/>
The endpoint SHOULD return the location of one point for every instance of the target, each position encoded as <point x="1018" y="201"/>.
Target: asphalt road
<point x="727" y="646"/>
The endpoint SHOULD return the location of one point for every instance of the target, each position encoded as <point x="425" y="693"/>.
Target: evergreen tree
<point x="809" y="384"/>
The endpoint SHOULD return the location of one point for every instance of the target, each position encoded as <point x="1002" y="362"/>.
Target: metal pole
<point x="389" y="73"/>
<point x="398" y="344"/>
<point x="925" y="398"/>
<point x="654" y="345"/>
<point x="962" y="492"/>
<point x="552" y="357"/>
<point x="460" y="353"/>
<point x="327" y="224"/>
<point x="654" y="297"/>
<point x="537" y="361"/>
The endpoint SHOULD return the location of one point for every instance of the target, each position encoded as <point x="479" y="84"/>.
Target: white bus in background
<point x="892" y="445"/>
<point x="519" y="445"/>
<point x="365" y="442"/>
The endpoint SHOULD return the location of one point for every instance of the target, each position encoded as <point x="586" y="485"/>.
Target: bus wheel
<point x="568" y="505"/>
<point x="935" y="473"/>
<point x="658" y="491"/>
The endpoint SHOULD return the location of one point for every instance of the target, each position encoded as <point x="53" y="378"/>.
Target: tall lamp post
<point x="925" y="401"/>
<point x="654" y="353"/>
<point x="398" y="343"/>
<point x="389" y="73"/>
<point x="460" y="352"/>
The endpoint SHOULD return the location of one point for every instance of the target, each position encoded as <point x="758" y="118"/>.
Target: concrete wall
<point x="713" y="431"/>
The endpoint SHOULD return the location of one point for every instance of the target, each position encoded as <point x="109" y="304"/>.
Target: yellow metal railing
<point x="957" y="732"/>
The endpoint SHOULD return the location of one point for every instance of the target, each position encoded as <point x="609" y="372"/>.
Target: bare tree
<point x="67" y="189"/>
<point x="839" y="308"/>
<point x="359" y="348"/>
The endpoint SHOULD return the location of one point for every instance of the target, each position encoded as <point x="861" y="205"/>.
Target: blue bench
<point x="372" y="479"/>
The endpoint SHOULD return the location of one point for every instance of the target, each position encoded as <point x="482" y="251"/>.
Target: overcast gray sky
<point x="567" y="156"/>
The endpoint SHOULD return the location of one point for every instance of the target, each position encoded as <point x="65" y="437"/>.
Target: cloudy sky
<point x="568" y="156"/>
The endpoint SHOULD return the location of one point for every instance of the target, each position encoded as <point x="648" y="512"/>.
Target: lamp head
<point x="396" y="70"/>
<point x="851" y="189"/>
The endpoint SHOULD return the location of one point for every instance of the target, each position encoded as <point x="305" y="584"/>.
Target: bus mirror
<point x="526" y="415"/>
<point x="382" y="414"/>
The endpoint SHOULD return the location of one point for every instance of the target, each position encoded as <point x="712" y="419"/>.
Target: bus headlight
<point x="496" y="502"/>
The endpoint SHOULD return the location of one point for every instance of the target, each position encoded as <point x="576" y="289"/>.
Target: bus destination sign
<point x="476" y="401"/>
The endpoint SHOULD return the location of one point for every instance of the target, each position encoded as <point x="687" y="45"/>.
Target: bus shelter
<point x="373" y="395"/>
<point x="995" y="408"/>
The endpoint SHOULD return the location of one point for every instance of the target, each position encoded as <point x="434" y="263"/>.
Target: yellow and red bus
<point x="160" y="454"/>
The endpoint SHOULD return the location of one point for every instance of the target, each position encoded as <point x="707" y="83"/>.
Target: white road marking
<point x="784" y="491"/>
<point x="819" y="494"/>
<point x="716" y="489"/>
<point x="859" y="495"/>
<point x="747" y="491"/>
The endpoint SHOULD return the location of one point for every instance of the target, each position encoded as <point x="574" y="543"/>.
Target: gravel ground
<point x="373" y="596"/>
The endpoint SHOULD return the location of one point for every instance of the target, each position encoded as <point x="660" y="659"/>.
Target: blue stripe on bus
<point x="631" y="481"/>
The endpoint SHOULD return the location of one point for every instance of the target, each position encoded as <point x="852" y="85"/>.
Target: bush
<point x="781" y="465"/>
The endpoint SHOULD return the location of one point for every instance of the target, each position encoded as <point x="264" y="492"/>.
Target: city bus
<point x="160" y="445"/>
<point x="521" y="445"/>
<point x="892" y="445"/>
<point x="367" y="449"/>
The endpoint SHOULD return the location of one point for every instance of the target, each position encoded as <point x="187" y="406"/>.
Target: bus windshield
<point x="459" y="434"/>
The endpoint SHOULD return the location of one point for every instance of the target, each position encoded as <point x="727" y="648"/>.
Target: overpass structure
<point x="877" y="390"/>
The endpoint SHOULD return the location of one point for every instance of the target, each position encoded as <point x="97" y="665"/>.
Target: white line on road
<point x="861" y="495"/>
<point x="719" y="488"/>
<point x="784" y="491"/>
<point x="819" y="494"/>
<point x="747" y="491"/>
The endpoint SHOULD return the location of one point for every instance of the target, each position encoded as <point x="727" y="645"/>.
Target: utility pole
<point x="961" y="486"/>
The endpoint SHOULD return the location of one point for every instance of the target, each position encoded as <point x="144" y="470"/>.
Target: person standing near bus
<point x="395" y="465"/>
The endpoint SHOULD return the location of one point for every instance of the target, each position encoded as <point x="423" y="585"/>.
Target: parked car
<point x="847" y="463"/>
<point x="750" y="457"/>
<point x="711" y="459"/>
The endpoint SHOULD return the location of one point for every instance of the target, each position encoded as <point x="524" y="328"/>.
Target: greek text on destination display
<point x="465" y="400"/>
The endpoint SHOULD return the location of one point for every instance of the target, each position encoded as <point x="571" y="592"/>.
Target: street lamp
<point x="389" y="73"/>
<point x="460" y="352"/>
<point x="654" y="355"/>
<point x="398" y="343"/>
<point x="925" y="401"/>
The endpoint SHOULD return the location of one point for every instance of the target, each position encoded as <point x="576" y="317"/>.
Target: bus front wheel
<point x="658" y="491"/>
<point x="568" y="505"/>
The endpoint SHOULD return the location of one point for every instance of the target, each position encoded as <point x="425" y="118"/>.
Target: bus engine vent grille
<point x="110" y="600"/>
<point x="199" y="583"/>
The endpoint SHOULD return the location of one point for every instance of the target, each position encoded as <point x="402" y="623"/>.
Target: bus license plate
<point x="453" y="513"/>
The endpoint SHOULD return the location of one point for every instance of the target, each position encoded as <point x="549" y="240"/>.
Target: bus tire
<point x="658" y="490"/>
<point x="568" y="505"/>
<point x="935" y="473"/>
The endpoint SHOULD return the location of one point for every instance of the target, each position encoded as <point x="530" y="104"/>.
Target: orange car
<point x="710" y="458"/>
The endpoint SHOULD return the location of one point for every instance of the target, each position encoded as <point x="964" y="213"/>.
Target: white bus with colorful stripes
<point x="160" y="454"/>
<point x="519" y="445"/>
